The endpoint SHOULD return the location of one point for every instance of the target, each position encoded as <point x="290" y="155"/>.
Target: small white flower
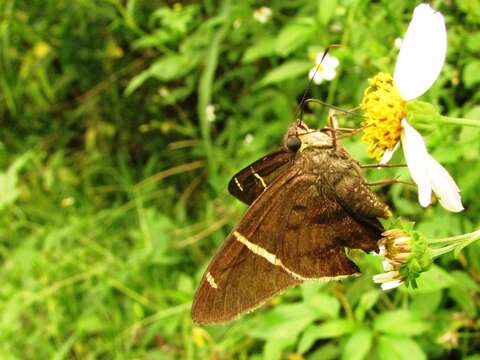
<point x="324" y="70"/>
<point x="248" y="139"/>
<point x="421" y="58"/>
<point x="262" y="14"/>
<point x="210" y="112"/>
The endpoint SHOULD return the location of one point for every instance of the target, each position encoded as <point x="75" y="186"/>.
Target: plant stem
<point x="456" y="238"/>
<point x="456" y="242"/>
<point x="459" y="121"/>
<point x="332" y="89"/>
<point x="206" y="84"/>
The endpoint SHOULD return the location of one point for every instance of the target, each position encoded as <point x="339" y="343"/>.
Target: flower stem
<point x="458" y="121"/>
<point x="474" y="234"/>
<point x="437" y="252"/>
<point x="454" y="243"/>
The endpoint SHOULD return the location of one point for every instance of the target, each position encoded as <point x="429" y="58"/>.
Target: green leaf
<point x="358" y="345"/>
<point x="471" y="73"/>
<point x="9" y="190"/>
<point x="294" y="36"/>
<point x="432" y="280"/>
<point x="288" y="70"/>
<point x="463" y="292"/>
<point x="462" y="279"/>
<point x="473" y="42"/>
<point x="400" y="322"/>
<point x="310" y="288"/>
<point x="326" y="330"/>
<point x="326" y="9"/>
<point x="273" y="348"/>
<point x="426" y="303"/>
<point x="329" y="351"/>
<point x="398" y="348"/>
<point x="262" y="48"/>
<point x="464" y="299"/>
<point x="168" y="68"/>
<point x="283" y="322"/>
<point x="366" y="302"/>
<point x="324" y="305"/>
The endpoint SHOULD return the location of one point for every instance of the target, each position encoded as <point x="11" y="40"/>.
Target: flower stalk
<point x="453" y="243"/>
<point x="422" y="113"/>
<point x="459" y="121"/>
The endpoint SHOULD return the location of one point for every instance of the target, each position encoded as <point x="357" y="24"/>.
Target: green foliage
<point x="113" y="177"/>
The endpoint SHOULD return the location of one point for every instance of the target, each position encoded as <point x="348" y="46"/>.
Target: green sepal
<point x="421" y="112"/>
<point x="420" y="259"/>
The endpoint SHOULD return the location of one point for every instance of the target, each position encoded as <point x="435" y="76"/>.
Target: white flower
<point x="324" y="70"/>
<point x="248" y="138"/>
<point x="421" y="57"/>
<point x="262" y="14"/>
<point x="210" y="112"/>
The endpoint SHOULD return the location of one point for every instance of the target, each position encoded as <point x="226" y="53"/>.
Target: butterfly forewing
<point x="250" y="182"/>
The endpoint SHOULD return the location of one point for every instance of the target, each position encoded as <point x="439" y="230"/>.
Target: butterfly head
<point x="299" y="137"/>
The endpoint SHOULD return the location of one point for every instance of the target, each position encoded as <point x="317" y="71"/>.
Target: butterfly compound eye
<point x="293" y="143"/>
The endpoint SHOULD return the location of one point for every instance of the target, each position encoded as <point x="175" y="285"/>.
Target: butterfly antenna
<point x="309" y="85"/>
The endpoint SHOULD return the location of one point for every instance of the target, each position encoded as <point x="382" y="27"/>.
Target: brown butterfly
<point x="309" y="202"/>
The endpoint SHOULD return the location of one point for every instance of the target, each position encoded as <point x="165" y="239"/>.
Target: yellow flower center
<point x="383" y="111"/>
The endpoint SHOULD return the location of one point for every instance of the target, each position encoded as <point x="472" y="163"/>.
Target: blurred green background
<point x="113" y="176"/>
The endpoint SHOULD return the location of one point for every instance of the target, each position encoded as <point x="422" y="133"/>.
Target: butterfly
<point x="308" y="204"/>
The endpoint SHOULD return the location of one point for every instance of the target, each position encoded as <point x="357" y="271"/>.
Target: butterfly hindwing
<point x="250" y="182"/>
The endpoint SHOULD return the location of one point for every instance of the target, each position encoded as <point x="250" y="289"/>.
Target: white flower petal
<point x="444" y="186"/>
<point x="416" y="156"/>
<point x="386" y="276"/>
<point x="422" y="53"/>
<point x="318" y="79"/>
<point x="382" y="250"/>
<point x="319" y="57"/>
<point x="262" y="14"/>
<point x="329" y="74"/>
<point x="391" y="285"/>
<point x="387" y="155"/>
<point x="331" y="62"/>
<point x="387" y="265"/>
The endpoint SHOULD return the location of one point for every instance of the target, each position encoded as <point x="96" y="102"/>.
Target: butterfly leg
<point x="332" y="127"/>
<point x="351" y="132"/>
<point x="367" y="166"/>
<point x="390" y="182"/>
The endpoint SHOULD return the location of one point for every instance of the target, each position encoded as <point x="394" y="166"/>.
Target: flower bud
<point x="406" y="254"/>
